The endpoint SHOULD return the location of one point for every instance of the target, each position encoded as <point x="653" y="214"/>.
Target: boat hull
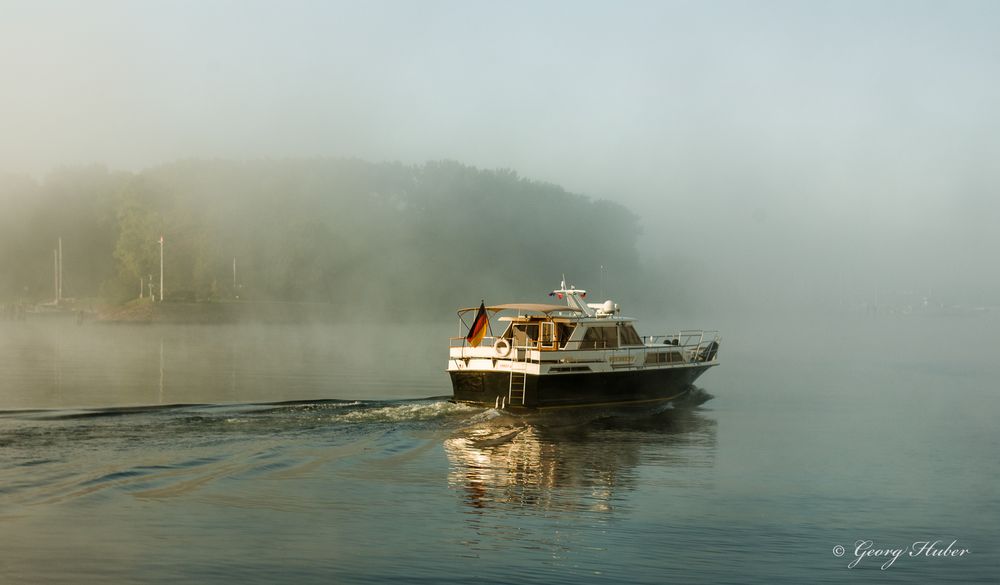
<point x="489" y="388"/>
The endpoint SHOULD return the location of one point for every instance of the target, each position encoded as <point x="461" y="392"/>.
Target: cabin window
<point x="525" y="334"/>
<point x="548" y="334"/>
<point x="600" y="338"/>
<point x="628" y="335"/>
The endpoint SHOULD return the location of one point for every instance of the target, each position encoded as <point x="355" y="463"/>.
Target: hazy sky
<point x="862" y="135"/>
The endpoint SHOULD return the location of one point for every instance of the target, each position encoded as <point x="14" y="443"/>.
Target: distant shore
<point x="211" y="313"/>
<point x="186" y="313"/>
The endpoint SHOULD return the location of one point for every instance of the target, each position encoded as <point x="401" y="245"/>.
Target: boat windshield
<point x="600" y="337"/>
<point x="563" y="332"/>
<point x="610" y="337"/>
<point x="628" y="336"/>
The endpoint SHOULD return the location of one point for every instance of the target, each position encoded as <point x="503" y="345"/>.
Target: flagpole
<point x="489" y="326"/>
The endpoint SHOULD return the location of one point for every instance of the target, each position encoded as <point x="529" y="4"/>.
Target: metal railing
<point x="703" y="345"/>
<point x="683" y="338"/>
<point x="696" y="345"/>
<point x="486" y="349"/>
<point x="487" y="341"/>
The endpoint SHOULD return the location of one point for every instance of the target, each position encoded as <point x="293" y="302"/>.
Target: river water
<point x="329" y="454"/>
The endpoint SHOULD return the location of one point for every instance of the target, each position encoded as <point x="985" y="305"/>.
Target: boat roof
<point x="533" y="307"/>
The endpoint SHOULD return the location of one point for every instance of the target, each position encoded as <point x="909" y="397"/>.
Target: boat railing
<point x="488" y="348"/>
<point x="487" y="341"/>
<point x="700" y="345"/>
<point x="529" y="352"/>
<point x="683" y="338"/>
<point x="696" y="345"/>
<point x="485" y="347"/>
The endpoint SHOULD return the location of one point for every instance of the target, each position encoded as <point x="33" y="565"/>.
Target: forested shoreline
<point x="370" y="236"/>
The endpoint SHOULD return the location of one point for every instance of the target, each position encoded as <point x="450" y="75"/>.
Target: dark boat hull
<point x="489" y="388"/>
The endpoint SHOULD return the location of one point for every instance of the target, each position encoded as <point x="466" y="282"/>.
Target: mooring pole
<point x="161" y="268"/>
<point x="59" y="299"/>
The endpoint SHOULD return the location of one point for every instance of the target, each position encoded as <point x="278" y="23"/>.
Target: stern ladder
<point x="518" y="380"/>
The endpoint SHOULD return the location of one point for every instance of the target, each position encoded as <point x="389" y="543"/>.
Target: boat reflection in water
<point x="579" y="462"/>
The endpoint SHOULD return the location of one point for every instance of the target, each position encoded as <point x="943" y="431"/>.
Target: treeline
<point x="373" y="236"/>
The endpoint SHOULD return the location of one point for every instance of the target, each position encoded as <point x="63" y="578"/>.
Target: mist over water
<point x="62" y="365"/>
<point x="773" y="153"/>
<point x="332" y="180"/>
<point x="304" y="457"/>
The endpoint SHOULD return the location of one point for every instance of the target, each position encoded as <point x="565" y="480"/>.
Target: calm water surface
<point x="328" y="455"/>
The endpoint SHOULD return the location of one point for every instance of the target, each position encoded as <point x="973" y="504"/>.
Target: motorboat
<point x="571" y="355"/>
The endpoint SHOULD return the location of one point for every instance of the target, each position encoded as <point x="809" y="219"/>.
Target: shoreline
<point x="217" y="313"/>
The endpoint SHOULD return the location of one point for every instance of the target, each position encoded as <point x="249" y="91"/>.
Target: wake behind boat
<point x="577" y="354"/>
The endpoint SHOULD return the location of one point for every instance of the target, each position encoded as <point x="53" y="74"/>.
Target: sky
<point x="806" y="146"/>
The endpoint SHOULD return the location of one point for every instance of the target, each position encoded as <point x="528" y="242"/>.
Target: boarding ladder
<point x="518" y="379"/>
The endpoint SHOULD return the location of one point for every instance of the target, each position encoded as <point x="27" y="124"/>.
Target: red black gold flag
<point x="478" y="329"/>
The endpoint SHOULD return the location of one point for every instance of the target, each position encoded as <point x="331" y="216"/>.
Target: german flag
<point x="478" y="329"/>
